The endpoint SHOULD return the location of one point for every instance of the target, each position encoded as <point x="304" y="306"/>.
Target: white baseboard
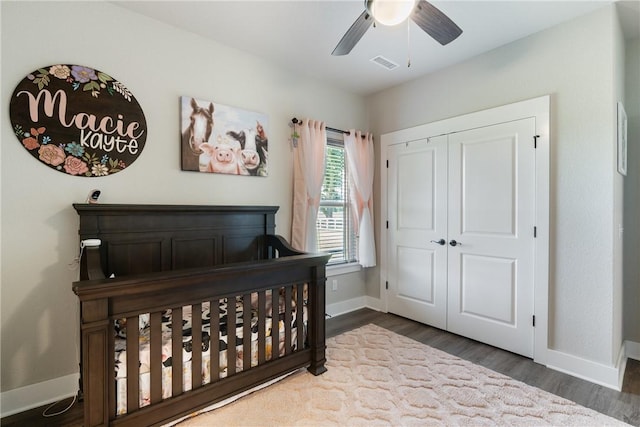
<point x="353" y="304"/>
<point x="632" y="350"/>
<point x="595" y="372"/>
<point x="35" y="395"/>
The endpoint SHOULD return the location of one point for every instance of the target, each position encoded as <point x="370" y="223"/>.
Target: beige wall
<point x="158" y="63"/>
<point x="631" y="195"/>
<point x="574" y="63"/>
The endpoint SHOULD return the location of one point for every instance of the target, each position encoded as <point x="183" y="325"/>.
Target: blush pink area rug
<point x="376" y="377"/>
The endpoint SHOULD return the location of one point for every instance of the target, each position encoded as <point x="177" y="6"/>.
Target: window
<point x="336" y="234"/>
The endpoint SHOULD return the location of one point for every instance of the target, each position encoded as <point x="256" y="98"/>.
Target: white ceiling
<point x="300" y="35"/>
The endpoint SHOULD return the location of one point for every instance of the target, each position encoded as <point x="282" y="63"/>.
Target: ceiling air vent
<point x="384" y="62"/>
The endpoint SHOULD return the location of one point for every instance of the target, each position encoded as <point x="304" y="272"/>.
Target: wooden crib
<point x="220" y="272"/>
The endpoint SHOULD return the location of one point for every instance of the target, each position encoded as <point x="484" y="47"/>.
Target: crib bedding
<point x="187" y="343"/>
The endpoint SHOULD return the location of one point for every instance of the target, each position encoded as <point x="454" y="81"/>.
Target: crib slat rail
<point x="155" y="320"/>
<point x="214" y="347"/>
<point x="231" y="338"/>
<point x="104" y="300"/>
<point x="176" y="352"/>
<point x="246" y="331"/>
<point x="262" y="301"/>
<point x="275" y="331"/>
<point x="196" y="351"/>
<point x="133" y="384"/>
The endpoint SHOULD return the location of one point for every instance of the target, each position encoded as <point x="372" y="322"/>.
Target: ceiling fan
<point x="391" y="12"/>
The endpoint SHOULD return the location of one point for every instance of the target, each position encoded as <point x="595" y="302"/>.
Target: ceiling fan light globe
<point x="390" y="12"/>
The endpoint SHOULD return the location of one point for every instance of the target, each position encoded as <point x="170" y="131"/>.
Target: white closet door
<point x="417" y="214"/>
<point x="491" y="235"/>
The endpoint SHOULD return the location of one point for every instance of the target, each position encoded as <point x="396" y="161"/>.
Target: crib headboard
<point x="140" y="239"/>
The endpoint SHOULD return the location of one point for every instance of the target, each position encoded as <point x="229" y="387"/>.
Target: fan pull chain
<point x="408" y="43"/>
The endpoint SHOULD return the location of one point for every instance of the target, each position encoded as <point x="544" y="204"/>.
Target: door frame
<point x="538" y="108"/>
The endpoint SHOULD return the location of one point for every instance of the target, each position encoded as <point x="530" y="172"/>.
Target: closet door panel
<point x="417" y="181"/>
<point x="481" y="276"/>
<point x="491" y="218"/>
<point x="487" y="181"/>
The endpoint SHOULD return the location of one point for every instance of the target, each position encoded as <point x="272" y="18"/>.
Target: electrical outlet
<point x="334" y="285"/>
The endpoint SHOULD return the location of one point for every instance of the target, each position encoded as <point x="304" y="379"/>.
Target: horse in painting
<point x="198" y="132"/>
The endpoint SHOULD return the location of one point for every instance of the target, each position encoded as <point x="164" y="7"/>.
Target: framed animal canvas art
<point x="217" y="138"/>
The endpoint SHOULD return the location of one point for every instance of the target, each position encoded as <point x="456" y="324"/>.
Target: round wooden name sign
<point x="78" y="120"/>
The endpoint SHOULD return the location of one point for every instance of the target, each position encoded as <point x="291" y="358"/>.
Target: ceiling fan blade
<point x="435" y="23"/>
<point x="354" y="34"/>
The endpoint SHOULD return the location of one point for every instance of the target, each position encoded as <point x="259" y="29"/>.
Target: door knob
<point x="454" y="243"/>
<point x="441" y="242"/>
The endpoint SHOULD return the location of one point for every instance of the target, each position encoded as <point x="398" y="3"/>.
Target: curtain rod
<point x="297" y="122"/>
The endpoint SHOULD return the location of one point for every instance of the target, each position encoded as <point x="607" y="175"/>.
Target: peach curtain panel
<point x="360" y="161"/>
<point x="308" y="174"/>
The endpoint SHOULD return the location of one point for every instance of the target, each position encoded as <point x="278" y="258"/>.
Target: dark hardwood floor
<point x="623" y="405"/>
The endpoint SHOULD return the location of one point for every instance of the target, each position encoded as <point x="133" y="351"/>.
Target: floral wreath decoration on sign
<point x="78" y="120"/>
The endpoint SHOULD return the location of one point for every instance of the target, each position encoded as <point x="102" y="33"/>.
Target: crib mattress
<point x="187" y="350"/>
